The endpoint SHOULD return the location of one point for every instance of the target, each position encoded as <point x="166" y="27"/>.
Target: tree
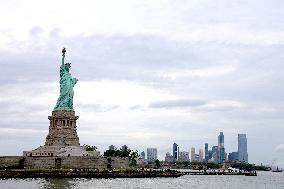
<point x="157" y="162"/>
<point x="132" y="158"/>
<point x="90" y="148"/>
<point x="124" y="152"/>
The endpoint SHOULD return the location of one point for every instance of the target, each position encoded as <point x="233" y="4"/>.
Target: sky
<point x="150" y="73"/>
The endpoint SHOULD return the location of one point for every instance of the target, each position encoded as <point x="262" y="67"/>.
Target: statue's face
<point x="67" y="66"/>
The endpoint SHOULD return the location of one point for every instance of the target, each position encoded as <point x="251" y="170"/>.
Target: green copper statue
<point x="67" y="82"/>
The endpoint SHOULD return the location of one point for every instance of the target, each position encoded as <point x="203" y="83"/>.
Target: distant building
<point x="209" y="155"/>
<point x="151" y="154"/>
<point x="124" y="147"/>
<point x="196" y="157"/>
<point x="141" y="159"/>
<point x="242" y="148"/>
<point x="221" y="139"/>
<point x="221" y="148"/>
<point x="183" y="156"/>
<point x="221" y="155"/>
<point x="175" y="151"/>
<point x="142" y="155"/>
<point x="192" y="151"/>
<point x="169" y="157"/>
<point x="200" y="157"/>
<point x="233" y="156"/>
<point x="112" y="147"/>
<point x="206" y="152"/>
<point x="215" y="155"/>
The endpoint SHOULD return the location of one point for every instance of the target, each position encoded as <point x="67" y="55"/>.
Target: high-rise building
<point x="169" y="157"/>
<point x="222" y="155"/>
<point x="221" y="139"/>
<point x="192" y="151"/>
<point x="233" y="156"/>
<point x="242" y="148"/>
<point x="215" y="154"/>
<point x="221" y="148"/>
<point x="183" y="156"/>
<point x="206" y="152"/>
<point x="200" y="155"/>
<point x="209" y="155"/>
<point x="151" y="154"/>
<point x="175" y="151"/>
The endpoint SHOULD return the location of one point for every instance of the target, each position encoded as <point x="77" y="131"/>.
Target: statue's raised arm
<point x="67" y="82"/>
<point x="63" y="55"/>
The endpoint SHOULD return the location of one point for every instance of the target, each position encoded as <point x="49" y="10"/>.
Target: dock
<point x="245" y="173"/>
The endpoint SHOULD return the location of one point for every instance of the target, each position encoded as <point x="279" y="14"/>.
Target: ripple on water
<point x="264" y="180"/>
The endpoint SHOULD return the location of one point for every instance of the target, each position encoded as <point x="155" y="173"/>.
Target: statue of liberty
<point x="67" y="82"/>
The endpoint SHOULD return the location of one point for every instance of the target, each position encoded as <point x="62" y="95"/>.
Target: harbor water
<point x="264" y="180"/>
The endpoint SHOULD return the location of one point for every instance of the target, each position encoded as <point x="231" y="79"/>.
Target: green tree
<point x="132" y="158"/>
<point x="157" y="162"/>
<point x="124" y="152"/>
<point x="90" y="148"/>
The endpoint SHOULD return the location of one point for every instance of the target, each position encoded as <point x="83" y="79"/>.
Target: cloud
<point x="218" y="71"/>
<point x="177" y="103"/>
<point x="279" y="148"/>
<point x="96" y="107"/>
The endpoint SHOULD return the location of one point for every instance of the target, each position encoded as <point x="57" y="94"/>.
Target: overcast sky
<point x="150" y="73"/>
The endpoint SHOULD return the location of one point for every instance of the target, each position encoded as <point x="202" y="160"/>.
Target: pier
<point x="246" y="173"/>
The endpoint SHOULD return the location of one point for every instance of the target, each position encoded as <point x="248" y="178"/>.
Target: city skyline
<point x="216" y="154"/>
<point x="150" y="73"/>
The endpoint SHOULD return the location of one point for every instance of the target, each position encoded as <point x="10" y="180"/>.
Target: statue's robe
<point x="65" y="100"/>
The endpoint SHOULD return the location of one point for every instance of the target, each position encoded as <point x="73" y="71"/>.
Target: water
<point x="264" y="180"/>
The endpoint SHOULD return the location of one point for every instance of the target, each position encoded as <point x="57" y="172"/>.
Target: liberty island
<point x="62" y="147"/>
<point x="62" y="151"/>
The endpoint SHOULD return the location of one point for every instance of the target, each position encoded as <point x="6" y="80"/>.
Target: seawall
<point x="72" y="162"/>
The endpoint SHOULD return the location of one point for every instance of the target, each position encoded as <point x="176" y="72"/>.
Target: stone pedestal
<point x="62" y="129"/>
<point x="62" y="139"/>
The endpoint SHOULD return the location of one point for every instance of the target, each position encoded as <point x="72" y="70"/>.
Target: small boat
<point x="277" y="170"/>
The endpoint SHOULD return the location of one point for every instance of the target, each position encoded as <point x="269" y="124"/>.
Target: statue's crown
<point x="68" y="64"/>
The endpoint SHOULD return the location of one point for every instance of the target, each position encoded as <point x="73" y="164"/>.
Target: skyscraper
<point x="151" y="154"/>
<point x="221" y="148"/>
<point x="206" y="152"/>
<point x="242" y="148"/>
<point x="175" y="151"/>
<point x="221" y="139"/>
<point x="192" y="154"/>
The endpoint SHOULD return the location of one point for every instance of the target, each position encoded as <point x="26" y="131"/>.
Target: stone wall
<point x="10" y="162"/>
<point x="119" y="163"/>
<point x="39" y="162"/>
<point x="84" y="162"/>
<point x="72" y="162"/>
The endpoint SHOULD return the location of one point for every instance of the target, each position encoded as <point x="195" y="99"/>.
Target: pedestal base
<point x="62" y="129"/>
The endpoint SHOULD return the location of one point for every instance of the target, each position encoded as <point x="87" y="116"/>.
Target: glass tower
<point x="175" y="151"/>
<point x="242" y="148"/>
<point x="221" y="148"/>
<point x="206" y="152"/>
